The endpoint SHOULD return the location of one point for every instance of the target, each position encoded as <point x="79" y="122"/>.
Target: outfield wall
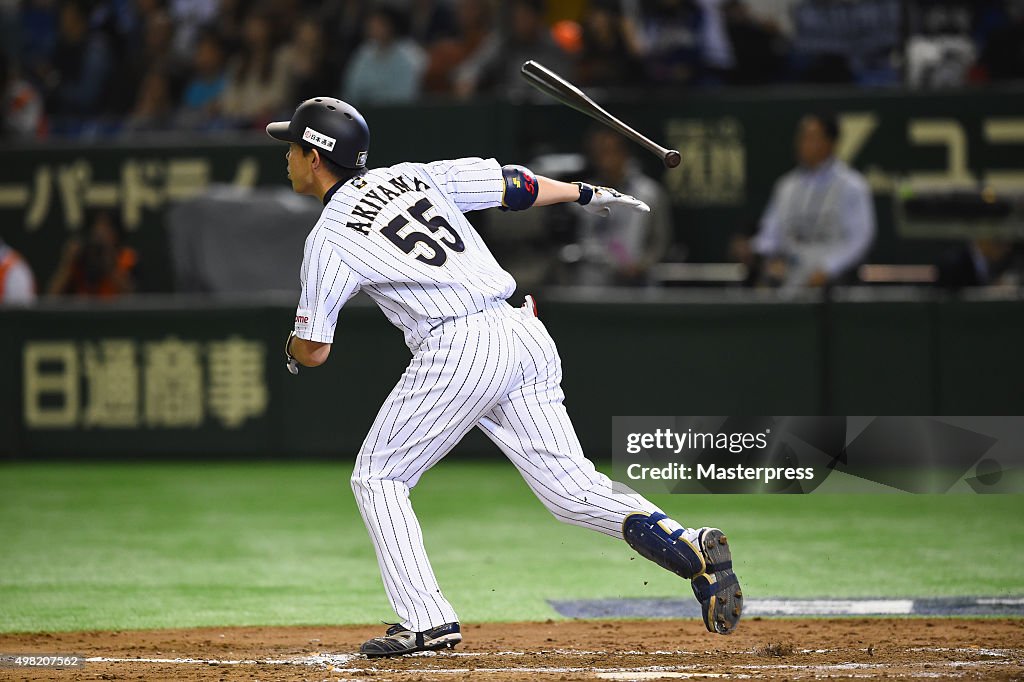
<point x="190" y="380"/>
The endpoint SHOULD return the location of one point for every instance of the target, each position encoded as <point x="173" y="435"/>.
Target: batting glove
<point x="290" y="362"/>
<point x="600" y="200"/>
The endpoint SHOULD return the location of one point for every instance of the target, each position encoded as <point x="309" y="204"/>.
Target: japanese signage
<point x="47" y="194"/>
<point x="120" y="383"/>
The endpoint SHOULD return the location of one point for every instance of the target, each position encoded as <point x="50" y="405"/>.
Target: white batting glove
<point x="601" y="200"/>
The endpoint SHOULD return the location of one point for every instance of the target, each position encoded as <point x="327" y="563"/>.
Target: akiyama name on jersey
<point x="399" y="235"/>
<point x="375" y="199"/>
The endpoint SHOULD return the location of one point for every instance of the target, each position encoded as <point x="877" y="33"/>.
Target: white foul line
<point x="820" y="607"/>
<point x="337" y="662"/>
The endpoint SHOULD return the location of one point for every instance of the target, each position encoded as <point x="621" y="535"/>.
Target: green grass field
<point x="174" y="545"/>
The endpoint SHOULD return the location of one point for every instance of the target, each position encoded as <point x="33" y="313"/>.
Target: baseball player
<point x="399" y="235"/>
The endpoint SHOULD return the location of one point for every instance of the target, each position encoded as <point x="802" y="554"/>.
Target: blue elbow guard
<point x="520" y="188"/>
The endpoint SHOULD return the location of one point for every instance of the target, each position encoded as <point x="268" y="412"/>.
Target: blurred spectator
<point x="758" y="45"/>
<point x="17" y="285"/>
<point x="139" y="60"/>
<point x="620" y="250"/>
<point x="77" y="76"/>
<point x="528" y="37"/>
<point x="102" y="266"/>
<point x="842" y="42"/>
<point x="21" y="114"/>
<point x="154" y="106"/>
<point x="978" y="263"/>
<point x="1003" y="54"/>
<point x="189" y="16"/>
<point x="228" y="22"/>
<point x="344" y="21"/>
<point x="430" y="21"/>
<point x="286" y="14"/>
<point x="666" y="33"/>
<point x="778" y="14"/>
<point x="387" y="67"/>
<point x="200" y="102"/>
<point x="820" y="221"/>
<point x="939" y="47"/>
<point x="311" y="74"/>
<point x="257" y="86"/>
<point x="716" y="48"/>
<point x="37" y="25"/>
<point x="454" y="64"/>
<point x="607" y="58"/>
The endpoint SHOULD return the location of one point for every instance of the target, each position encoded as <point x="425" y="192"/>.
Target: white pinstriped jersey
<point x="398" y="234"/>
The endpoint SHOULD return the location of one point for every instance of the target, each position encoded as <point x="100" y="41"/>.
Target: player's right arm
<point x="327" y="284"/>
<point x="306" y="353"/>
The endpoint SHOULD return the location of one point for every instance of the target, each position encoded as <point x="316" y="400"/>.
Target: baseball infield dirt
<point x="573" y="650"/>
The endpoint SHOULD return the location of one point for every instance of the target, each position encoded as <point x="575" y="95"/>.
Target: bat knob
<point x="672" y="158"/>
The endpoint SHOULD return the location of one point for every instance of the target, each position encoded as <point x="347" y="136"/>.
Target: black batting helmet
<point x="336" y="129"/>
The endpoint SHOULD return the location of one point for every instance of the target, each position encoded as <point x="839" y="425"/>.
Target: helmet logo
<point x="361" y="159"/>
<point x="319" y="139"/>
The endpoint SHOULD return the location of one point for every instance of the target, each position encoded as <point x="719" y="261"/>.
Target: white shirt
<point x="398" y="234"/>
<point x="820" y="219"/>
<point x="18" y="286"/>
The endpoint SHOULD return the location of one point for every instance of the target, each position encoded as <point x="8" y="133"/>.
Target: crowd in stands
<point x="98" y="67"/>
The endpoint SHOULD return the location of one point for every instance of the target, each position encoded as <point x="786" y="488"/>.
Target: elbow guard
<point x="520" y="189"/>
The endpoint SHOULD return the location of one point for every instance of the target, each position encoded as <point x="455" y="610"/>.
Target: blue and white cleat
<point x="717" y="588"/>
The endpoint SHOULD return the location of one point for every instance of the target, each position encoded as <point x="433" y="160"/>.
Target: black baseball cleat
<point x="717" y="588"/>
<point x="398" y="641"/>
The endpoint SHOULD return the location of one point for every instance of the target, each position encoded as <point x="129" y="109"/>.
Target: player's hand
<point x="289" y="360"/>
<point x="604" y="200"/>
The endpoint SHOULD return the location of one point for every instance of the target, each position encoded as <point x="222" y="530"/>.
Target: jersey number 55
<point x="410" y="240"/>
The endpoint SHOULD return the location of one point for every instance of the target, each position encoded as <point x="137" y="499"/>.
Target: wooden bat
<point x="550" y="83"/>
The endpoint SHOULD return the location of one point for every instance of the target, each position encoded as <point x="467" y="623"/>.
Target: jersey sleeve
<point x="471" y="183"/>
<point x="327" y="284"/>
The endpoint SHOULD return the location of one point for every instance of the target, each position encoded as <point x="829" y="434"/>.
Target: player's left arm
<point x="552" y="192"/>
<point x="524" y="189"/>
<point x="475" y="183"/>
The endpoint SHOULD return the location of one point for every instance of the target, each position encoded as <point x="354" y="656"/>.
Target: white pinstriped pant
<point x="499" y="370"/>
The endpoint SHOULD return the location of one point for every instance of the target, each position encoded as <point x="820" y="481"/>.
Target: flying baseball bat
<point x="549" y="82"/>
